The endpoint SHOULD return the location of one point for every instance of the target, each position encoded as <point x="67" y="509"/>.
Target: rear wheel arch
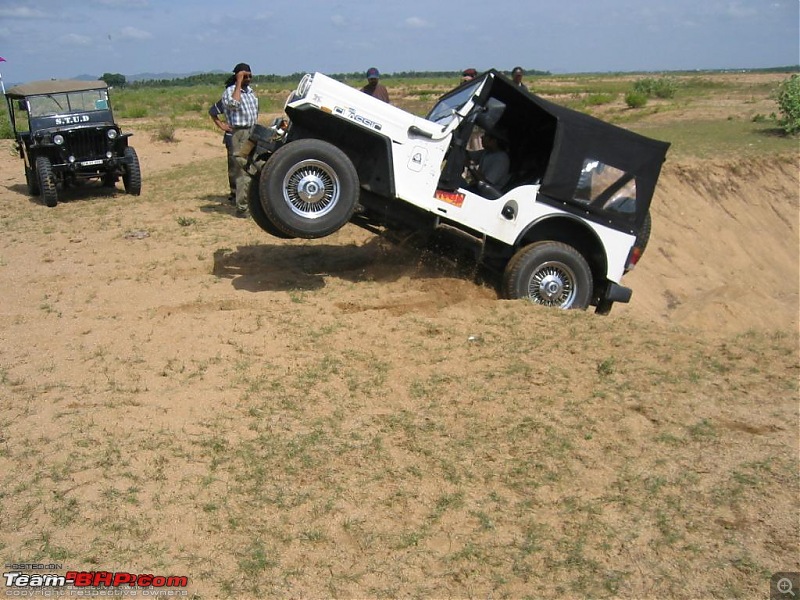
<point x="571" y="231"/>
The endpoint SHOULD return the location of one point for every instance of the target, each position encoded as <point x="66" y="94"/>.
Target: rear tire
<point x="309" y="188"/>
<point x="47" y="181"/>
<point x="132" y="175"/>
<point x="550" y="274"/>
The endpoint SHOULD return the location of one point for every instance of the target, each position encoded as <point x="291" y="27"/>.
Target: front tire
<point x="550" y="274"/>
<point x="258" y="214"/>
<point x="47" y="181"/>
<point x="32" y="181"/>
<point x="309" y="188"/>
<point x="132" y="175"/>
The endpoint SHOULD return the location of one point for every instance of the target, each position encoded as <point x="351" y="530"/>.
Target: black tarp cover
<point x="579" y="137"/>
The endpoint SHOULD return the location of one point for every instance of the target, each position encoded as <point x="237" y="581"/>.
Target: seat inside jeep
<point x="530" y="133"/>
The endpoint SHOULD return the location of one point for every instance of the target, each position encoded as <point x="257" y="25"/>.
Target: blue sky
<point x="43" y="39"/>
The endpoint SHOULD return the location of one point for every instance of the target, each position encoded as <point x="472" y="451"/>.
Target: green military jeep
<point x="65" y="132"/>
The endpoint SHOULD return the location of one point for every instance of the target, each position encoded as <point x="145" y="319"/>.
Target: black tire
<point x="550" y="274"/>
<point x="258" y="214"/>
<point x="309" y="188"/>
<point x="47" y="181"/>
<point x="132" y="174"/>
<point x="33" y="182"/>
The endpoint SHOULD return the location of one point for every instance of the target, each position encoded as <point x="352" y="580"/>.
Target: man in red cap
<point x="373" y="88"/>
<point x="468" y="75"/>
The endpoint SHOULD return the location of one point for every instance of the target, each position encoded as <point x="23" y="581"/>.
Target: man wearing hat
<point x="373" y="88"/>
<point x="240" y="104"/>
<point x="516" y="76"/>
<point x="468" y="75"/>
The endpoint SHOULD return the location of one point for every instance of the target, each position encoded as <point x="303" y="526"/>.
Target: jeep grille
<point x="85" y="143"/>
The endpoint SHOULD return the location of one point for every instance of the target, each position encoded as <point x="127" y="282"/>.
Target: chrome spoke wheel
<point x="549" y="273"/>
<point x="311" y="189"/>
<point x="552" y="284"/>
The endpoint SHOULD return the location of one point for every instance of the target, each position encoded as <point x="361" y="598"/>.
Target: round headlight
<point x="58" y="139"/>
<point x="112" y="134"/>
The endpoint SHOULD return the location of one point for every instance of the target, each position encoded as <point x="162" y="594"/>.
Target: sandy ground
<point x="697" y="271"/>
<point x="182" y="394"/>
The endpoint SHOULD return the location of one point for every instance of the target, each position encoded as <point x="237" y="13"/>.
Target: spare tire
<point x="309" y="188"/>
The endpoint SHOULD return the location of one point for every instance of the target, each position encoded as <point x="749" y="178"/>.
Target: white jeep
<point x="571" y="220"/>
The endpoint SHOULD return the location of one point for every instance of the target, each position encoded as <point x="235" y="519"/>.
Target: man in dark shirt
<point x="493" y="162"/>
<point x="373" y="88"/>
<point x="516" y="76"/>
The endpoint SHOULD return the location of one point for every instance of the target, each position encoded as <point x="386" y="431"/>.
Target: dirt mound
<point x="723" y="255"/>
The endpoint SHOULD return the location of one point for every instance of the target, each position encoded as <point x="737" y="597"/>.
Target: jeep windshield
<point x="445" y="110"/>
<point x="57" y="104"/>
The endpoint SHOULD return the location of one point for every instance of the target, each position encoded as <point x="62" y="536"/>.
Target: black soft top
<point x="562" y="140"/>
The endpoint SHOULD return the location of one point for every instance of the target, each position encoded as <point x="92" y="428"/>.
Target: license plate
<point x="89" y="163"/>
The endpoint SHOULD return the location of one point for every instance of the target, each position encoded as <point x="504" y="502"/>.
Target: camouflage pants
<point x="235" y="171"/>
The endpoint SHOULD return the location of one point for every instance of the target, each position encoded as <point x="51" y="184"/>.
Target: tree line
<point x="119" y="80"/>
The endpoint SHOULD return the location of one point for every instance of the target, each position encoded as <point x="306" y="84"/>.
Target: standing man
<point x="214" y="112"/>
<point x="373" y="88"/>
<point x="241" y="112"/>
<point x="516" y="76"/>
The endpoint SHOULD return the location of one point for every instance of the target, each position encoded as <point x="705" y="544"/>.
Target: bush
<point x="165" y="132"/>
<point x="635" y="99"/>
<point x="663" y="87"/>
<point x="599" y="99"/>
<point x="788" y="97"/>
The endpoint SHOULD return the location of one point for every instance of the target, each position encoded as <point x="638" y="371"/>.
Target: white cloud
<point x="738" y="11"/>
<point x="74" y="39"/>
<point x="417" y="23"/>
<point x="125" y="3"/>
<point x="22" y="12"/>
<point x="131" y="33"/>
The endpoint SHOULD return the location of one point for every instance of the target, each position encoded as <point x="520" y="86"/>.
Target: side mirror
<point x="23" y="105"/>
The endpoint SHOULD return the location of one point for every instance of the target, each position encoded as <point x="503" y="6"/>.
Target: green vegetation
<point x="789" y="104"/>
<point x="661" y="87"/>
<point x="635" y="99"/>
<point x="114" y="79"/>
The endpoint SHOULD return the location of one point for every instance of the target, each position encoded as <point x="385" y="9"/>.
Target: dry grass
<point x="349" y="418"/>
